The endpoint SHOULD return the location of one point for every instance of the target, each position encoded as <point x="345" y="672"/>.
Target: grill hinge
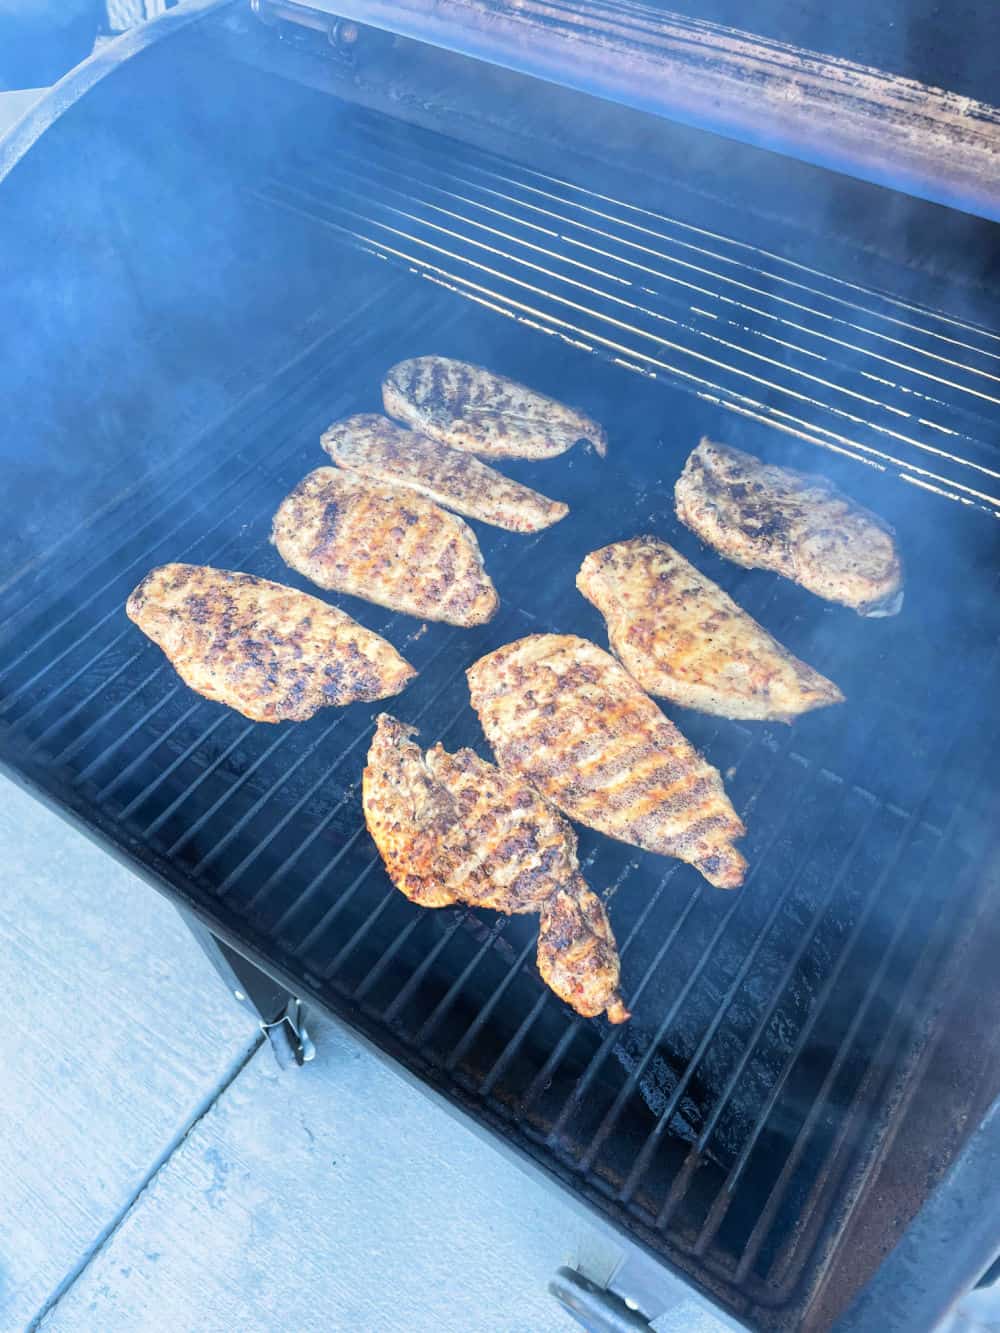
<point x="291" y="1027"/>
<point x="280" y="1013"/>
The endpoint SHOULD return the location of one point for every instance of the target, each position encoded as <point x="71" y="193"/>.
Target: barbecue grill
<point x="219" y="234"/>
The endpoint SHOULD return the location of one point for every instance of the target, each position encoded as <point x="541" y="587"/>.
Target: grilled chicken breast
<point x="794" y="523"/>
<point x="680" y="636"/>
<point x="519" y="843"/>
<point x="386" y="544"/>
<point x="472" y="409"/>
<point x="375" y="447"/>
<point x="577" y="955"/>
<point x="452" y="828"/>
<point x="271" y="652"/>
<point x="562" y="713"/>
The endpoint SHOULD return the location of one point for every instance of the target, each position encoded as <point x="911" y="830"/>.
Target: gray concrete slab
<point x="116" y="1036"/>
<point x="332" y="1197"/>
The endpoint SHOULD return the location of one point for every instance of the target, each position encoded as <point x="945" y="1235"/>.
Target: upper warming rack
<point x="847" y="368"/>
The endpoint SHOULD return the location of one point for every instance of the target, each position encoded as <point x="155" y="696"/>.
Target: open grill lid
<point x="824" y="109"/>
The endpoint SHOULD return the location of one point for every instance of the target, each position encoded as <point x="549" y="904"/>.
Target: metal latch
<point x="292" y="1025"/>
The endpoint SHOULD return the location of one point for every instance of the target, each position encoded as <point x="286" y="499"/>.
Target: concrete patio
<point x="162" y="1172"/>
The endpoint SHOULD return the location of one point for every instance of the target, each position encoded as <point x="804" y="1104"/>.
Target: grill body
<point x="245" y="256"/>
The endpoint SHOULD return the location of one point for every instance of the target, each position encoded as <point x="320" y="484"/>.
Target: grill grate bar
<point x="768" y="1213"/>
<point x="502" y="1063"/>
<point x="343" y="898"/>
<point x="582" y="239"/>
<point x="391" y="1011"/>
<point x="123" y="774"/>
<point x="362" y="931"/>
<point x="254" y="810"/>
<point x="125" y="634"/>
<point x="566" y="1040"/>
<point x="378" y="971"/>
<point x="722" y="1009"/>
<point x="271" y="398"/>
<point x="485" y="1013"/>
<point x="742" y="899"/>
<point x="175" y="764"/>
<point x="311" y="366"/>
<point x="279" y="459"/>
<point x="757" y="376"/>
<point x="778" y="363"/>
<point x="562" y="192"/>
<point x="157" y="823"/>
<point x="561" y="212"/>
<point x="208" y="813"/>
<point x="807" y="936"/>
<point x="759" y="1233"/>
<point x="633" y="358"/>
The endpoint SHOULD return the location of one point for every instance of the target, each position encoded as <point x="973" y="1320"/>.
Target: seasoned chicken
<point x="794" y="523"/>
<point x="521" y="845"/>
<point x="386" y="544"/>
<point x="682" y="637"/>
<point x="271" y="652"/>
<point x="473" y="409"/>
<point x="414" y="821"/>
<point x="562" y="713"/>
<point x="577" y="955"/>
<point x="452" y="828"/>
<point x="375" y="447"/>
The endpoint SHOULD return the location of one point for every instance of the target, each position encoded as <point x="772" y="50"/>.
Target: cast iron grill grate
<point x="729" y="1125"/>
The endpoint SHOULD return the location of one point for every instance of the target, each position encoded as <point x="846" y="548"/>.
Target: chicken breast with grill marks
<point x="577" y="954"/>
<point x="470" y="408"/>
<point x="375" y="447"/>
<point x="451" y="828"/>
<point x="680" y="636"/>
<point x="272" y="653"/>
<point x="562" y="713"/>
<point x="386" y="544"/>
<point x="794" y="523"/>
